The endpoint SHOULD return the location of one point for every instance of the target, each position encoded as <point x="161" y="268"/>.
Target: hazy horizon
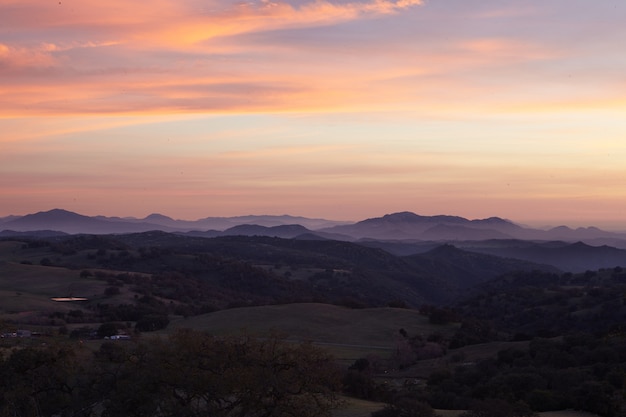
<point x="538" y="225"/>
<point x="342" y="109"/>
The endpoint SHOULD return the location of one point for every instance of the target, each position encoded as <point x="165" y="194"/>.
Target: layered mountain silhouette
<point x="572" y="257"/>
<point x="391" y="227"/>
<point x="411" y="226"/>
<point x="407" y="225"/>
<point x="74" y="223"/>
<point x="444" y="253"/>
<point x="464" y="269"/>
<point x="322" y="269"/>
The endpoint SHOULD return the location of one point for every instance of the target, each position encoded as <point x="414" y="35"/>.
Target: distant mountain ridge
<point x="410" y="226"/>
<point x="407" y="225"/>
<point x="572" y="257"/>
<point x="74" y="223"/>
<point x="401" y="226"/>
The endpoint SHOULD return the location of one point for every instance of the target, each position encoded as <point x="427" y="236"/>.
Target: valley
<point x="449" y="324"/>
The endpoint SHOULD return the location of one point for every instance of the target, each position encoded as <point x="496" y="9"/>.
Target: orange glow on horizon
<point x="338" y="109"/>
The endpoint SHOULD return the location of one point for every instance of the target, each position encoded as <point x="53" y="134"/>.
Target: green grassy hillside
<point x="377" y="327"/>
<point x="31" y="287"/>
<point x="348" y="334"/>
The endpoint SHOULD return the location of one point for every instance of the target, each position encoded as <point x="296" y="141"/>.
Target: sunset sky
<point x="336" y="109"/>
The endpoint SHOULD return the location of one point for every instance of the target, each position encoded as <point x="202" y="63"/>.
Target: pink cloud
<point x="152" y="20"/>
<point x="17" y="58"/>
<point x="114" y="57"/>
<point x="174" y="57"/>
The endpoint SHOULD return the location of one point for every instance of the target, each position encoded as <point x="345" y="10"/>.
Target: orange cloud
<point x="121" y="65"/>
<point x="159" y="19"/>
<point x="267" y="15"/>
<point x="499" y="48"/>
<point x="172" y="57"/>
<point x="16" y="58"/>
<point x="86" y="15"/>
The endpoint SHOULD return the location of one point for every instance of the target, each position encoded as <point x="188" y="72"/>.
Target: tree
<point x="242" y="376"/>
<point x="39" y="381"/>
<point x="596" y="397"/>
<point x="152" y="322"/>
<point x="111" y="291"/>
<point x="107" y="330"/>
<point x="85" y="273"/>
<point x="498" y="408"/>
<point x="195" y="374"/>
<point x="190" y="374"/>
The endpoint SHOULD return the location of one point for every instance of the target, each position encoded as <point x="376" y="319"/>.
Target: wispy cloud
<point x="14" y="58"/>
<point x="379" y="104"/>
<point x="140" y="57"/>
<point x="188" y="21"/>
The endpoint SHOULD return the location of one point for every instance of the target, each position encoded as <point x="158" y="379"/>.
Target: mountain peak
<point x="55" y="214"/>
<point x="403" y="216"/>
<point x="561" y="229"/>
<point x="285" y="230"/>
<point x="495" y="220"/>
<point x="410" y="217"/>
<point x="158" y="217"/>
<point x="445" y="250"/>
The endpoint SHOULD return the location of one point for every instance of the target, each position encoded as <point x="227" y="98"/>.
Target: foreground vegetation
<point x="189" y="374"/>
<point x="516" y="344"/>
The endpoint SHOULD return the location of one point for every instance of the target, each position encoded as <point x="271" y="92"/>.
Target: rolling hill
<point x="391" y="227"/>
<point x="74" y="223"/>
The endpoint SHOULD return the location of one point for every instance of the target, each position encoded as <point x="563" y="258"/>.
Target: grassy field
<point x="9" y="249"/>
<point x="348" y="334"/>
<point x="13" y="251"/>
<point x="26" y="287"/>
<point x="353" y="407"/>
<point x="375" y="327"/>
<point x="29" y="287"/>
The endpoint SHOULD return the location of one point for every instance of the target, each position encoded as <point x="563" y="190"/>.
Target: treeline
<point x="198" y="281"/>
<point x="578" y="371"/>
<point x="189" y="374"/>
<point x="570" y="352"/>
<point x="574" y="372"/>
<point x="576" y="357"/>
<point x="526" y="305"/>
